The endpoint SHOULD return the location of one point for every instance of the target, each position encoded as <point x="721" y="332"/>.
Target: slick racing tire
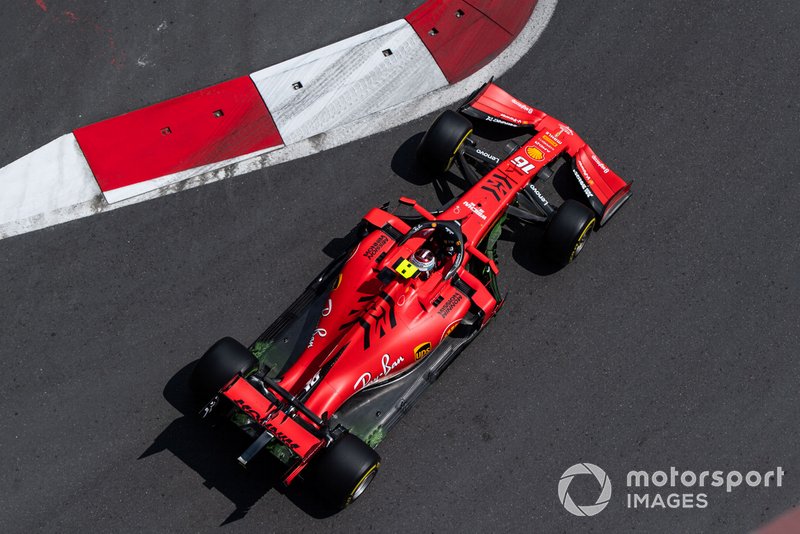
<point x="442" y="141"/>
<point x="568" y="230"/>
<point x="221" y="363"/>
<point x="342" y="471"/>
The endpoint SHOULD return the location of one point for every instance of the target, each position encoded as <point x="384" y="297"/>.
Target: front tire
<point x="219" y="365"/>
<point x="341" y="472"/>
<point x="568" y="231"/>
<point x="442" y="141"/>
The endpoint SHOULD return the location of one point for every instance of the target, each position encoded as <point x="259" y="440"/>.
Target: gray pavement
<point x="673" y="341"/>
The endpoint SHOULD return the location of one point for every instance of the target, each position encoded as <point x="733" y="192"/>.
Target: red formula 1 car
<point x="321" y="387"/>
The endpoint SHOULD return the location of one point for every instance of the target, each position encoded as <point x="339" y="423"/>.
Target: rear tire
<point x="568" y="231"/>
<point x="341" y="472"/>
<point x="441" y="142"/>
<point x="219" y="365"/>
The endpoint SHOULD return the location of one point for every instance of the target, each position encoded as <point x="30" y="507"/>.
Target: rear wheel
<point x="441" y="142"/>
<point x="568" y="231"/>
<point x="221" y="363"/>
<point x="341" y="472"/>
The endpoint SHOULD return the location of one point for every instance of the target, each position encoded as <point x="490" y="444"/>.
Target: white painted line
<point x="83" y="203"/>
<point x="343" y="82"/>
<point x="41" y="188"/>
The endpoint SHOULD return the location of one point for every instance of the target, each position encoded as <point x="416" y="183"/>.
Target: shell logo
<point x="534" y="153"/>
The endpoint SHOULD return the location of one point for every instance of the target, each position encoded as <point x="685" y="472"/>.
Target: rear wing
<point x="279" y="418"/>
<point x="282" y="417"/>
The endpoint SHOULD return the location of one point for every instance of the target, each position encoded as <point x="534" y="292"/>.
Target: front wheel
<point x="443" y="140"/>
<point x="342" y="471"/>
<point x="568" y="231"/>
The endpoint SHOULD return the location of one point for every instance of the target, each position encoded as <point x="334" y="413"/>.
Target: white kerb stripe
<point x="345" y="81"/>
<point x="53" y="184"/>
<point x="53" y="177"/>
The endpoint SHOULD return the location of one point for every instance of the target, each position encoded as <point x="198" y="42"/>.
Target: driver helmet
<point x="424" y="259"/>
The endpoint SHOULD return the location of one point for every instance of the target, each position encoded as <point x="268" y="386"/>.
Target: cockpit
<point x="436" y="245"/>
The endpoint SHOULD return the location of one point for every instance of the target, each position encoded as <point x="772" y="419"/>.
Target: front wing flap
<point x="604" y="189"/>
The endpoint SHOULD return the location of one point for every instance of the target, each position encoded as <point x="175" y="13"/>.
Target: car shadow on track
<point x="528" y="250"/>
<point x="210" y="448"/>
<point x="404" y="164"/>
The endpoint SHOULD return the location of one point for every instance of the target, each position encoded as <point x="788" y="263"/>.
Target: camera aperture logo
<point x="667" y="489"/>
<point x="587" y="509"/>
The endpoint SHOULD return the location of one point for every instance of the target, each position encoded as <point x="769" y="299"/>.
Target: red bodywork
<point x="373" y="329"/>
<point x="553" y="139"/>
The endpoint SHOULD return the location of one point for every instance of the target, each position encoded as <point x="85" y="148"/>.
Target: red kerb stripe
<point x="220" y="122"/>
<point x="464" y="35"/>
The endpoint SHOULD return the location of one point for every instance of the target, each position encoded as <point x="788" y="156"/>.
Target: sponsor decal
<point x="208" y="407"/>
<point x="522" y="106"/>
<point x="586" y="190"/>
<point x="386" y="367"/>
<point x="544" y="147"/>
<point x="499" y="185"/>
<point x="321" y="332"/>
<point x="490" y="118"/>
<point x="488" y="156"/>
<point x="554" y="142"/>
<point x="563" y="129"/>
<point x="310" y="384"/>
<point x="538" y="194"/>
<point x="452" y="326"/>
<point x="422" y="350"/>
<point x="384" y="321"/>
<point x="266" y="423"/>
<point x="471" y="206"/>
<point x="337" y="283"/>
<point x="448" y="306"/>
<point x="327" y="310"/>
<point x="512" y="119"/>
<point x="283" y="438"/>
<point x="375" y="247"/>
<point x="534" y="153"/>
<point x="600" y="164"/>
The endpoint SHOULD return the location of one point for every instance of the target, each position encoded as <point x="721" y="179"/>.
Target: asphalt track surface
<point x="673" y="341"/>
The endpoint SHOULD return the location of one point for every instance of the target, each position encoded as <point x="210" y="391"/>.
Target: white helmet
<point x="424" y="259"/>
